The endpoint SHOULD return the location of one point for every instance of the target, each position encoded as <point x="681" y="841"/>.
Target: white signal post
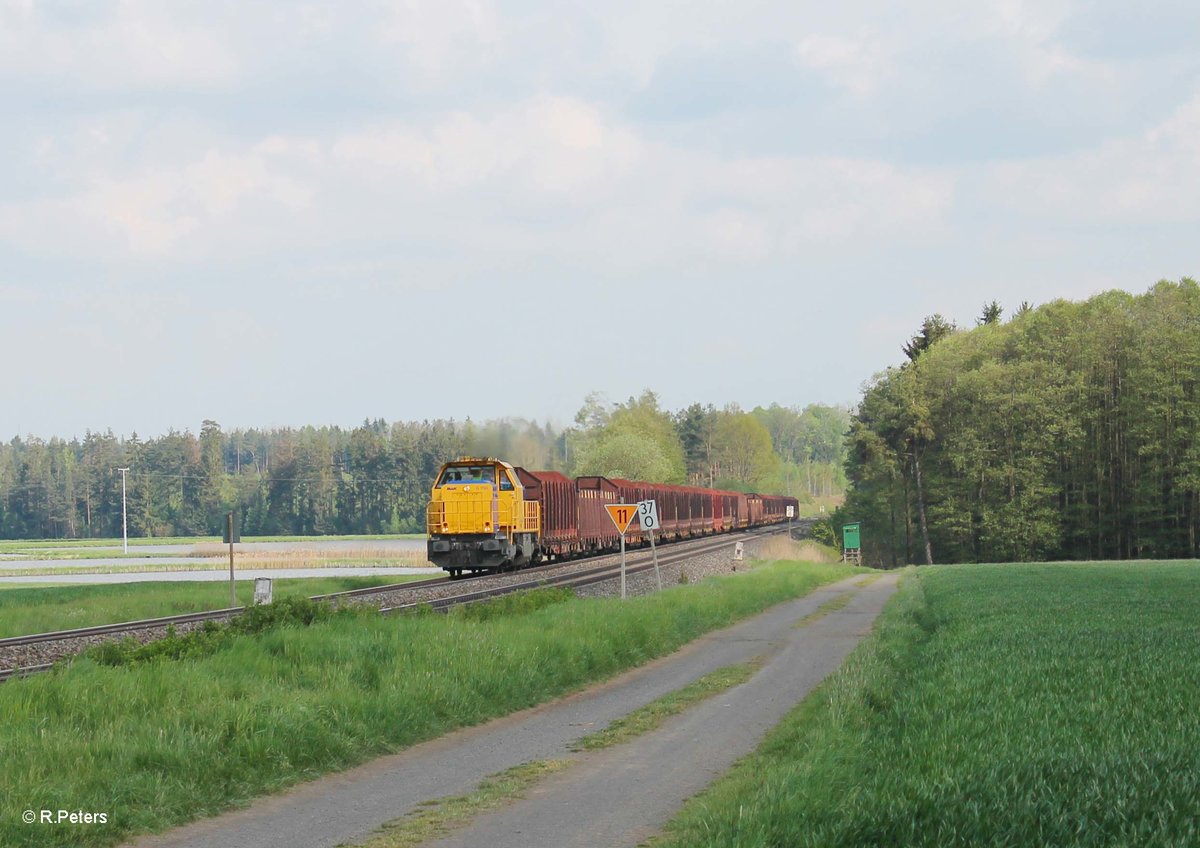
<point x="124" y="513"/>
<point x="622" y="515"/>
<point x="648" y="516"/>
<point x="791" y="513"/>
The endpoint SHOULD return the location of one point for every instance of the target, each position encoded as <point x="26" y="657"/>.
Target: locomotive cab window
<point x="506" y="483"/>
<point x="467" y="474"/>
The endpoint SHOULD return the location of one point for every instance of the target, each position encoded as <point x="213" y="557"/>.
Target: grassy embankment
<point x="25" y="611"/>
<point x="160" y="742"/>
<point x="993" y="705"/>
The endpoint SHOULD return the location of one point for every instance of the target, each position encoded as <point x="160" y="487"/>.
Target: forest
<point x="375" y="478"/>
<point x="1070" y="431"/>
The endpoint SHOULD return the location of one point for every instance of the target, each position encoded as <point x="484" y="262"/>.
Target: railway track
<point x="639" y="562"/>
<point x="46" y="648"/>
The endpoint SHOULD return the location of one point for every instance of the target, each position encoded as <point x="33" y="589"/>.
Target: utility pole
<point x="229" y="532"/>
<point x="124" y="514"/>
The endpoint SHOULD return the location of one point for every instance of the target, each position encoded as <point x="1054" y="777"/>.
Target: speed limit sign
<point x="648" y="514"/>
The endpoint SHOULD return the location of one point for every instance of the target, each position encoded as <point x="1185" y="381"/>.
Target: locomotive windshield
<point x="467" y="474"/>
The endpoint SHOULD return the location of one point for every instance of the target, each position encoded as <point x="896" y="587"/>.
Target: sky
<point x="287" y="213"/>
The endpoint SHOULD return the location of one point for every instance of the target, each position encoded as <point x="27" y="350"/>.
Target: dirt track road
<point x="612" y="797"/>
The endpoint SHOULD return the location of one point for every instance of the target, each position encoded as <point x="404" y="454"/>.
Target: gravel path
<point x="623" y="795"/>
<point x="638" y="785"/>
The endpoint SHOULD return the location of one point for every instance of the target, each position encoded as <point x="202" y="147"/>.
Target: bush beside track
<point x="993" y="705"/>
<point x="160" y="741"/>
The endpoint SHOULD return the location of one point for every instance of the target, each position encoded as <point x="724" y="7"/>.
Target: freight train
<point x="485" y="515"/>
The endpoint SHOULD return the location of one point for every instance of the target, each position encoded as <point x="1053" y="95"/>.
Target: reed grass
<point x="781" y="547"/>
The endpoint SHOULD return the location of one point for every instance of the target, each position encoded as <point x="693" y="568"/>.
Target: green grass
<point x="832" y="605"/>
<point x="161" y="742"/>
<point x="40" y="610"/>
<point x="438" y="818"/>
<point x="644" y="719"/>
<point x="993" y="705"/>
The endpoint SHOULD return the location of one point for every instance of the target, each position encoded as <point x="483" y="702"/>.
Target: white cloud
<point x="550" y="175"/>
<point x="549" y="145"/>
<point x="1142" y="179"/>
<point x="149" y="212"/>
<point x="140" y="44"/>
<point x="437" y="35"/>
<point x="857" y="65"/>
<point x="379" y="160"/>
<point x="20" y="295"/>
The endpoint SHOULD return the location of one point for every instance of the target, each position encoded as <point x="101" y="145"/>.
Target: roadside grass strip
<point x="1025" y="704"/>
<point x="435" y="819"/>
<point x="41" y="610"/>
<point x="159" y="741"/>
<point x="832" y="605"/>
<point x="647" y="718"/>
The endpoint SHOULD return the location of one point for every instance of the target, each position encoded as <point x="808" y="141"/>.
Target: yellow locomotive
<point x="478" y="518"/>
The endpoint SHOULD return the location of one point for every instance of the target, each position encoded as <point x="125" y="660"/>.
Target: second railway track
<point x="23" y="655"/>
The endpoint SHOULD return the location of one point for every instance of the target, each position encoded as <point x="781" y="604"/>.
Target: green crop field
<point x="994" y="705"/>
<point x="40" y="610"/>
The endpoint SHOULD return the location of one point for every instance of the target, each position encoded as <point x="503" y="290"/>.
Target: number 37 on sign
<point x="622" y="515"/>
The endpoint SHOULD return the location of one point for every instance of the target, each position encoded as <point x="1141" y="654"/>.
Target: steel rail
<point x="557" y="563"/>
<point x="23" y="671"/>
<point x="581" y="578"/>
<point x="587" y="577"/>
<point x="119" y="627"/>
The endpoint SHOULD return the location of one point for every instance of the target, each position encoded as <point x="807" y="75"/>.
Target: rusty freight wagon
<point x="487" y="515"/>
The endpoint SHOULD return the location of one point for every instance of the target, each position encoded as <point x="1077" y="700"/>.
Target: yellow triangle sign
<point x="622" y="515"/>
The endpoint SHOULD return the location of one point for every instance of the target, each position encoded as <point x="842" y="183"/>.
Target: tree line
<point x="375" y="478"/>
<point x="1070" y="431"/>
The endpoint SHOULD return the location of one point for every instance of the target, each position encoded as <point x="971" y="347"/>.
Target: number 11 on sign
<point x="622" y="515"/>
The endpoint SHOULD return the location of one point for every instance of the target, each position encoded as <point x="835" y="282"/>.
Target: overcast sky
<point x="288" y="213"/>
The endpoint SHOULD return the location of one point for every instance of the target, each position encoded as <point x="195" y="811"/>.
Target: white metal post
<point x="622" y="565"/>
<point x="124" y="514"/>
<point x="232" y="589"/>
<point x="654" y="553"/>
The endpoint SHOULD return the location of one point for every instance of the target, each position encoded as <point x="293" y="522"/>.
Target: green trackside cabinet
<point x="851" y="536"/>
